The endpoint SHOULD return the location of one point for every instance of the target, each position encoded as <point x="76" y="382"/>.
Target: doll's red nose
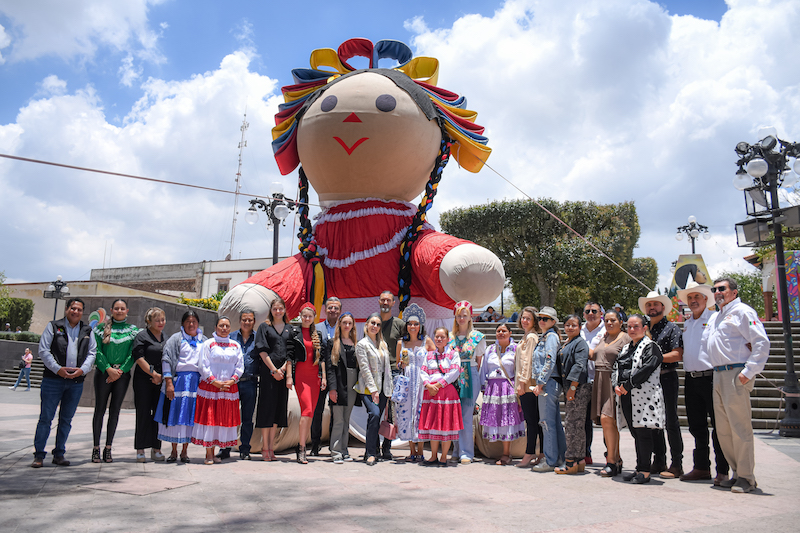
<point x="352" y="117"/>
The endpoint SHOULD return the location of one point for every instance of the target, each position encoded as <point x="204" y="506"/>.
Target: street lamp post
<point x="277" y="210"/>
<point x="57" y="290"/>
<point x="693" y="230"/>
<point x="762" y="170"/>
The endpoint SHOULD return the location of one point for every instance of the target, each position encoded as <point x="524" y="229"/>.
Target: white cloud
<point x="128" y="72"/>
<point x="185" y="131"/>
<point x="76" y="29"/>
<point x="52" y="85"/>
<point x="5" y="40"/>
<point x="615" y="100"/>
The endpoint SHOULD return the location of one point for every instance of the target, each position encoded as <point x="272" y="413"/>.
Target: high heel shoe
<point x="526" y="463"/>
<point x="582" y="466"/>
<point x="301" y="456"/>
<point x="570" y="468"/>
<point x="610" y="470"/>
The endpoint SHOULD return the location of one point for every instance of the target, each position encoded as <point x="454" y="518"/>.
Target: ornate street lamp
<point x="763" y="169"/>
<point x="57" y="290"/>
<point x="277" y="210"/>
<point x="693" y="230"/>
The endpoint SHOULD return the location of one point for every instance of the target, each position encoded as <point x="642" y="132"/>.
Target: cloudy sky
<point x="604" y="100"/>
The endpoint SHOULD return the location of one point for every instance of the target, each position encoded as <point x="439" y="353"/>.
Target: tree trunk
<point x="547" y="291"/>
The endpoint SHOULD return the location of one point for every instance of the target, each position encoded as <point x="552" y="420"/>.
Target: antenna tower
<point x="242" y="145"/>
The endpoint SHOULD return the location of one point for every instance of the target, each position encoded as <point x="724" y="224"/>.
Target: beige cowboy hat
<point x="693" y="286"/>
<point x="654" y="296"/>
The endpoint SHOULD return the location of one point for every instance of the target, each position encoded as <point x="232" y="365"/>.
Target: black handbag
<point x="297" y="346"/>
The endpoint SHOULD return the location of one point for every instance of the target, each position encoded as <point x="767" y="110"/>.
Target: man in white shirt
<point x="592" y="331"/>
<point x="698" y="384"/>
<point x="738" y="348"/>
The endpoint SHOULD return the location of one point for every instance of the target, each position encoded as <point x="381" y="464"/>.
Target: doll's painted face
<point x="366" y="137"/>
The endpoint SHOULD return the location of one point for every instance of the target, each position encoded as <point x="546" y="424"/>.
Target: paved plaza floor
<point x="321" y="496"/>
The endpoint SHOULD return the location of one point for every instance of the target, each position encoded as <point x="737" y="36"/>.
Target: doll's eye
<point x="385" y="102"/>
<point x="329" y="103"/>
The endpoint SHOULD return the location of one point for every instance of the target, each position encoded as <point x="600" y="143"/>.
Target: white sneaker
<point x="13" y="388"/>
<point x="338" y="460"/>
<point x="543" y="467"/>
<point x="348" y="459"/>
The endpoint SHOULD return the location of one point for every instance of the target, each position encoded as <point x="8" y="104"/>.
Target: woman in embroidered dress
<point x="440" y="416"/>
<point x="411" y="353"/>
<point x="217" y="417"/>
<point x="470" y="344"/>
<point x="640" y="399"/>
<point x="309" y="377"/>
<point x="180" y="370"/>
<point x="524" y="384"/>
<point x="275" y="377"/>
<point x="374" y="381"/>
<point x="574" y="363"/>
<point x="548" y="390"/>
<point x="114" y="362"/>
<point x="501" y="414"/>
<point x="604" y="407"/>
<point x="342" y="376"/>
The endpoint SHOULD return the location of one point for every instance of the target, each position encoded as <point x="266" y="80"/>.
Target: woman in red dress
<point x="309" y="377"/>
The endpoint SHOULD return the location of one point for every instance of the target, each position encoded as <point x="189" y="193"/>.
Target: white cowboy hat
<point x="692" y="286"/>
<point x="654" y="296"/>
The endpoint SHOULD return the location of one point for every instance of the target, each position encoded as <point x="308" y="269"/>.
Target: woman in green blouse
<point x="114" y="362"/>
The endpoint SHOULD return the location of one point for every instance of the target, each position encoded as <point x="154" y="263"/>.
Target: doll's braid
<point x="315" y="276"/>
<point x="404" y="276"/>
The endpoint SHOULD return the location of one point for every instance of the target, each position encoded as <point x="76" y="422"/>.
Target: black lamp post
<point x="57" y="290"/>
<point x="693" y="230"/>
<point x="762" y="170"/>
<point x="277" y="210"/>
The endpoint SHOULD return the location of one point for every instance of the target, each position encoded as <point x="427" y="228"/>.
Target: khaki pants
<point x="734" y="423"/>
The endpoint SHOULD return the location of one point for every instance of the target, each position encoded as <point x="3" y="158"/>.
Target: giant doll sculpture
<point x="370" y="142"/>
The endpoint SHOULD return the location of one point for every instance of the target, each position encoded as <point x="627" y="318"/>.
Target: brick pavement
<point x="321" y="496"/>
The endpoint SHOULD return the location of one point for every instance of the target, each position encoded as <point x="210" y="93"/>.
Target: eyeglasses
<point x="591" y="311"/>
<point x="719" y="289"/>
<point x="543" y="318"/>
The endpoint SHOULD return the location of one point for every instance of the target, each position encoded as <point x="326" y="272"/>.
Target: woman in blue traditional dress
<point x="411" y="353"/>
<point x="501" y="414"/>
<point x="180" y="367"/>
<point x="470" y="344"/>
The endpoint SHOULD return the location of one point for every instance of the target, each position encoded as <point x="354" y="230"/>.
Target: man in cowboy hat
<point x="738" y="347"/>
<point x="669" y="339"/>
<point x="698" y="384"/>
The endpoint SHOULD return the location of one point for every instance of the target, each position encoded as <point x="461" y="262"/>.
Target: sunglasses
<point x="544" y="318"/>
<point x="591" y="311"/>
<point x="718" y="289"/>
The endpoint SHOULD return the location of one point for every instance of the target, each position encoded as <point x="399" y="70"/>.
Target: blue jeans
<point x="466" y="437"/>
<point x="374" y="413"/>
<point x="26" y="371"/>
<point x="555" y="442"/>
<point x="55" y="391"/>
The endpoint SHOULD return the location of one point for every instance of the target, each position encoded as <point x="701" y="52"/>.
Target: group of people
<point x="613" y="372"/>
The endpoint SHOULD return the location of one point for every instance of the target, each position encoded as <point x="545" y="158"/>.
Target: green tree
<point x="750" y="290"/>
<point x="19" y="312"/>
<point x="542" y="257"/>
<point x="5" y="294"/>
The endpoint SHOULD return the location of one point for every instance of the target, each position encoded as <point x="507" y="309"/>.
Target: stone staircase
<point x="765" y="399"/>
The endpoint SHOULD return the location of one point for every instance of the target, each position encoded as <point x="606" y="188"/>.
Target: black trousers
<point x="669" y="383"/>
<point x="698" y="397"/>
<point x="316" y="422"/>
<point x="386" y="445"/>
<point x="145" y="399"/>
<point x="530" y="411"/>
<point x="102" y="390"/>
<point x="642" y="437"/>
<point x="589" y="428"/>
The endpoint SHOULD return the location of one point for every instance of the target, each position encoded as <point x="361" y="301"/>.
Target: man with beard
<point x="738" y="348"/>
<point x="698" y="384"/>
<point x="392" y="330"/>
<point x="669" y="339"/>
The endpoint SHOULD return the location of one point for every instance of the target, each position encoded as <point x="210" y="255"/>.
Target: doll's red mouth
<point x="350" y="149"/>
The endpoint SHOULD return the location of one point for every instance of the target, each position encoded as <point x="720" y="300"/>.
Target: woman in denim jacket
<point x="548" y="389"/>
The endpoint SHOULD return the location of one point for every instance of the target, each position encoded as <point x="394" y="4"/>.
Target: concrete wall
<point x="232" y="272"/>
